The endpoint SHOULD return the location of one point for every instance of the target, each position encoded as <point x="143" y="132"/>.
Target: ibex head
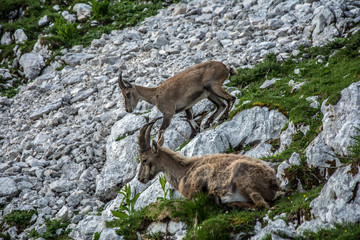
<point x="148" y="154"/>
<point x="129" y="93"/>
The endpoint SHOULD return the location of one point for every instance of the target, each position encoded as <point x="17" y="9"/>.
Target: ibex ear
<point x="154" y="147"/>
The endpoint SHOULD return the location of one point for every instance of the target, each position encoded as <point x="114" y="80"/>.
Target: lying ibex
<point x="181" y="92"/>
<point x="232" y="180"/>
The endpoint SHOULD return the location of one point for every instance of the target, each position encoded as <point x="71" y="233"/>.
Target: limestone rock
<point x="339" y="200"/>
<point x="32" y="63"/>
<point x="8" y="187"/>
<point x="20" y="36"/>
<point x="82" y="10"/>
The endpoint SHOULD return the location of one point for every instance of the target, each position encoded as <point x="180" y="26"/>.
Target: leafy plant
<point x="67" y="31"/>
<point x="127" y="205"/>
<point x="163" y="181"/>
<point x="19" y="218"/>
<point x="355" y="148"/>
<point x="129" y="225"/>
<point x="52" y="230"/>
<point x="100" y="8"/>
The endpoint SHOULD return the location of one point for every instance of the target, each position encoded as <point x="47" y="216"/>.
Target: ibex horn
<point x="144" y="136"/>
<point x="123" y="84"/>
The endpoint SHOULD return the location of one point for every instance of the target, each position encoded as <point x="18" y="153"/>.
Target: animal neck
<point x="146" y="93"/>
<point x="173" y="165"/>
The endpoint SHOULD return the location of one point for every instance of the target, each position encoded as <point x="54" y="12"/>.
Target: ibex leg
<point x="165" y="124"/>
<point x="189" y="117"/>
<point x="230" y="99"/>
<point x="219" y="108"/>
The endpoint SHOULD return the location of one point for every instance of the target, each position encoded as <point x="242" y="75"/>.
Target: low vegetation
<point x="59" y="33"/>
<point x="21" y="219"/>
<point x="314" y="72"/>
<point x="55" y="230"/>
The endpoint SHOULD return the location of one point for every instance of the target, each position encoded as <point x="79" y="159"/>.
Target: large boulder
<point x="252" y="126"/>
<point x="32" y="64"/>
<point x="339" y="200"/>
<point x="121" y="153"/>
<point x="340" y="120"/>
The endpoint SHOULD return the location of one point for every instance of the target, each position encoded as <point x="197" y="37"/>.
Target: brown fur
<point x="217" y="174"/>
<point x="180" y="92"/>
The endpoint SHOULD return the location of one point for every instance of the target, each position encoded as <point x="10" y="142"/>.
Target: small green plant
<point x="96" y="236"/>
<point x="67" y="31"/>
<point x="129" y="225"/>
<point x="52" y="230"/>
<point x="182" y="145"/>
<point x="100" y="8"/>
<point x="121" y="138"/>
<point x="163" y="181"/>
<point x="127" y="205"/>
<point x="19" y="218"/>
<point x="355" y="148"/>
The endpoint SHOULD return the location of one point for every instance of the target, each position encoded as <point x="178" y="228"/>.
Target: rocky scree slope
<point x="67" y="145"/>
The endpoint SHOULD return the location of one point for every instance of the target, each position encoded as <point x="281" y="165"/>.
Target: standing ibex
<point x="180" y="92"/>
<point x="233" y="180"/>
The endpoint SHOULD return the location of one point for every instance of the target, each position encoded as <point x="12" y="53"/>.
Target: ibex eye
<point x="128" y="94"/>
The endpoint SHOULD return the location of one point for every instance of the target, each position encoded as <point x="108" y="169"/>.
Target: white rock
<point x="8" y="187"/>
<point x="32" y="63"/>
<point x="269" y="83"/>
<point x="82" y="10"/>
<point x="86" y="228"/>
<point x="6" y="38"/>
<point x="340" y="120"/>
<point x="68" y="17"/>
<point x="338" y="201"/>
<point x="43" y="21"/>
<point x="20" y="36"/>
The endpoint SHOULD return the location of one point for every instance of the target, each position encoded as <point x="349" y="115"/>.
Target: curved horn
<point x="144" y="136"/>
<point x="120" y="81"/>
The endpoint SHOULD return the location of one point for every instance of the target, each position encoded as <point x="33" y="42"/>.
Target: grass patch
<point x="295" y="205"/>
<point x="324" y="80"/>
<point x="55" y="230"/>
<point x="349" y="231"/>
<point x="207" y="220"/>
<point x="18" y="218"/>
